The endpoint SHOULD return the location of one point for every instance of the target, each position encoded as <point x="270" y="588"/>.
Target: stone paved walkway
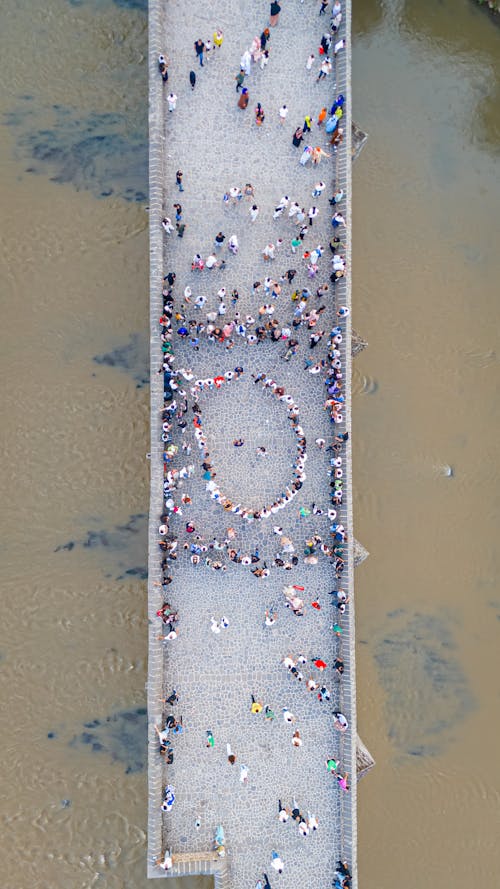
<point x="218" y="145"/>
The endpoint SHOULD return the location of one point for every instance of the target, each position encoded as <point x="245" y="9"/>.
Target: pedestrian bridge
<point x="217" y="674"/>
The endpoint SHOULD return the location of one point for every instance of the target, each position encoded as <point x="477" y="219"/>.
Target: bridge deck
<point x="217" y="145"/>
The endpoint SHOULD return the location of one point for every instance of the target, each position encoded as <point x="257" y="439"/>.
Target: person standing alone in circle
<point x="274" y="14"/>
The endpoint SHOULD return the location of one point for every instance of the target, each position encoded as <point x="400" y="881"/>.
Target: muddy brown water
<point x="75" y="434"/>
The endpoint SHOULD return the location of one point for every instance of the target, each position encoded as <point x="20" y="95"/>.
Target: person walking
<point x="310" y="62"/>
<point x="199" y="48"/>
<point x="264" y="59"/>
<point x="172" y="101"/>
<point x="178" y="212"/>
<point x="274" y="14"/>
<point x="219" y="240"/>
<point x="324" y="5"/>
<point x="243" y="99"/>
<point x="325" y="69"/>
<point x="259" y="115"/>
<point x="254" y="212"/>
<point x="192" y="79"/>
<point x="178" y="179"/>
<point x="240" y="77"/>
<point x="298" y="137"/>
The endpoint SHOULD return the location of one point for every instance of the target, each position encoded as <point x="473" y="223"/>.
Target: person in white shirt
<point x="276" y="862"/>
<point x="283" y="114"/>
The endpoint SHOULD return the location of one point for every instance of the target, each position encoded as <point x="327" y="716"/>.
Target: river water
<point x="75" y="433"/>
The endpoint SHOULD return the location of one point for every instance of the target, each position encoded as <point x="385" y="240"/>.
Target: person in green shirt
<point x="239" y="79"/>
<point x="331" y="765"/>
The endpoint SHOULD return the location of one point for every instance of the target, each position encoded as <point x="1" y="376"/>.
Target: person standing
<point x="254" y="212"/>
<point x="218" y="37"/>
<point x="243" y="99"/>
<point x="172" y="101"/>
<point x="274" y="14"/>
<point x="199" y="48"/>
<point x="319" y="187"/>
<point x="321" y="116"/>
<point x="246" y="62"/>
<point x="312" y="213"/>
<point x="283" y="114"/>
<point x="276" y="862"/>
<point x="264" y="37"/>
<point x="306" y="155"/>
<point x="178" y="179"/>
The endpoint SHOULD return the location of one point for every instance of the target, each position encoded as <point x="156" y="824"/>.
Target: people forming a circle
<point x="299" y="475"/>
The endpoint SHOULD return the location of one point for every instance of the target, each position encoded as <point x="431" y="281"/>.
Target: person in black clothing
<point x="199" y="48"/>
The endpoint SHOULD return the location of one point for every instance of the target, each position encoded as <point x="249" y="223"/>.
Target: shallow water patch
<point x="138" y="5"/>
<point x="427" y="690"/>
<point x="129" y="538"/>
<point x="105" y="153"/>
<point x="121" y="736"/>
<point x="132" y="357"/>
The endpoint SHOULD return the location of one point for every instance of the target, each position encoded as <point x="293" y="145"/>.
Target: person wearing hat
<point x="243" y="99"/>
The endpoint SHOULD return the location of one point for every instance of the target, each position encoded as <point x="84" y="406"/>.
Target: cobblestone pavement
<point x="217" y="145"/>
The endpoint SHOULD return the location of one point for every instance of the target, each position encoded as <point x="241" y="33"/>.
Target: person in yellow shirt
<point x="256" y="706"/>
<point x="218" y="37"/>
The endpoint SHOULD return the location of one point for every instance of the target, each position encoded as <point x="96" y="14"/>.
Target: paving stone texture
<point x="217" y="145"/>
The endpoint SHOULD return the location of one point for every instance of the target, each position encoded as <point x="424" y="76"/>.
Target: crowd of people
<point x="305" y="309"/>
